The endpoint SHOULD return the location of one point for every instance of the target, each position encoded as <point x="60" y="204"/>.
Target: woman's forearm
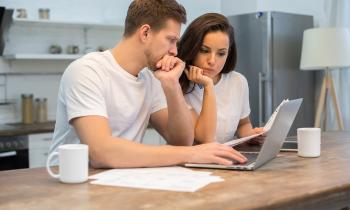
<point x="245" y="127"/>
<point x="205" y="127"/>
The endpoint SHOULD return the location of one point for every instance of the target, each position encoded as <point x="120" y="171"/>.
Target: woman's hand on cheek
<point x="195" y="74"/>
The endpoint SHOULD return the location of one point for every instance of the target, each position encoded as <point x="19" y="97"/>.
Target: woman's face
<point x="212" y="54"/>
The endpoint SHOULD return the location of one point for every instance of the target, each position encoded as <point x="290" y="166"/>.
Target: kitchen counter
<point x="16" y="129"/>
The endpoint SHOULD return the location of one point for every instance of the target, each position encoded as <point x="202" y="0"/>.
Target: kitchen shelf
<point x="84" y="37"/>
<point x="66" y="24"/>
<point x="4" y="102"/>
<point x="42" y="56"/>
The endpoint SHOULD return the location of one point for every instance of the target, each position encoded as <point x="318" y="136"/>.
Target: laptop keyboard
<point x="250" y="156"/>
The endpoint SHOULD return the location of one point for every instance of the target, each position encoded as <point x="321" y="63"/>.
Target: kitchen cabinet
<point x="39" y="145"/>
<point x="31" y="39"/>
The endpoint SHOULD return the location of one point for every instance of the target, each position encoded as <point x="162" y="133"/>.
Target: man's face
<point x="163" y="42"/>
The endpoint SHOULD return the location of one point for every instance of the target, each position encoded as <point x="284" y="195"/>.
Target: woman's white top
<point x="232" y="103"/>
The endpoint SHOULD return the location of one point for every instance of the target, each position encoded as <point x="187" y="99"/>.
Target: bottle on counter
<point x="27" y="108"/>
<point x="44" y="110"/>
<point x="41" y="110"/>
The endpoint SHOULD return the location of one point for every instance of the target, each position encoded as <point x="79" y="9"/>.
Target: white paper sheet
<point x="267" y="127"/>
<point x="271" y="120"/>
<point x="235" y="142"/>
<point x="162" y="178"/>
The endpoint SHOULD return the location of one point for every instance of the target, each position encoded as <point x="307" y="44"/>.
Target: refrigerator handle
<point x="261" y="79"/>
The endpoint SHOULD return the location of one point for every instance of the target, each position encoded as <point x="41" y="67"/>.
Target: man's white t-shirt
<point x="96" y="85"/>
<point x="232" y="103"/>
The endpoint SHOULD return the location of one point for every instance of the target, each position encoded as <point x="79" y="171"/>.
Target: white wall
<point x="79" y="10"/>
<point x="43" y="86"/>
<point x="195" y="8"/>
<point x="309" y="7"/>
<point x="235" y="7"/>
<point x="38" y="40"/>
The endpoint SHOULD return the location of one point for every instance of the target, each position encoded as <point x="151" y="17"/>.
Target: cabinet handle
<point x="47" y="139"/>
<point x="261" y="79"/>
<point x="8" y="154"/>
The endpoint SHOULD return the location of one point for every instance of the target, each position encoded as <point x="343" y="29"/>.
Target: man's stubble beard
<point x="151" y="61"/>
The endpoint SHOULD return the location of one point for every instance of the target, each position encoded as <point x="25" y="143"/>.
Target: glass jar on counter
<point x="27" y="108"/>
<point x="41" y="110"/>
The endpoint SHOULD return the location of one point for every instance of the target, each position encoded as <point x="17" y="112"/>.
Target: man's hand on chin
<point x="169" y="68"/>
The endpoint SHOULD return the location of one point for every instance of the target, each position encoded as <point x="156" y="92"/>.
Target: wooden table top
<point x="287" y="182"/>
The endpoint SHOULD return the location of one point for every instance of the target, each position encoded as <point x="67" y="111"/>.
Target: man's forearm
<point x="107" y="151"/>
<point x="122" y="153"/>
<point x="180" y="125"/>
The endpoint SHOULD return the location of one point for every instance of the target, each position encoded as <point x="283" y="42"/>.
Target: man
<point x="106" y="99"/>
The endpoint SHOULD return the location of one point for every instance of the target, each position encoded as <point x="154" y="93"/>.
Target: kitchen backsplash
<point x="46" y="86"/>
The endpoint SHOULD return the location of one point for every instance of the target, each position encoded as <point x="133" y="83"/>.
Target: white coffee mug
<point x="309" y="142"/>
<point x="73" y="163"/>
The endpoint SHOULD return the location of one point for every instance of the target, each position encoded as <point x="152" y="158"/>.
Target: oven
<point x="14" y="152"/>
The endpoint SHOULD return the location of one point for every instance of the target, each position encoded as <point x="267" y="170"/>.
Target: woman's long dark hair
<point x="192" y="40"/>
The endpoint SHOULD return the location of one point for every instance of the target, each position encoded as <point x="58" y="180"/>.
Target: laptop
<point x="272" y="144"/>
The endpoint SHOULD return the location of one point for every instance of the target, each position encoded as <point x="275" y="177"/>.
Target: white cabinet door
<point x="39" y="145"/>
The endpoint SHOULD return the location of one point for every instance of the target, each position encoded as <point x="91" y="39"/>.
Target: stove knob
<point x="15" y="144"/>
<point x="22" y="143"/>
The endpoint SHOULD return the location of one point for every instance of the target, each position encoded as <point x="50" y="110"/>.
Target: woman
<point x="218" y="96"/>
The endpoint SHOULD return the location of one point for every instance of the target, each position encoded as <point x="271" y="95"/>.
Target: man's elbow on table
<point x="97" y="158"/>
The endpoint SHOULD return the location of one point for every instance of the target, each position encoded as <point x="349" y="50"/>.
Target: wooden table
<point x="287" y="182"/>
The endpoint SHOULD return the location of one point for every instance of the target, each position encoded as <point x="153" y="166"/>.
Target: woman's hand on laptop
<point x="215" y="153"/>
<point x="259" y="140"/>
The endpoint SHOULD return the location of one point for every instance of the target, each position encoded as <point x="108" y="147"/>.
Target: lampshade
<point x="325" y="48"/>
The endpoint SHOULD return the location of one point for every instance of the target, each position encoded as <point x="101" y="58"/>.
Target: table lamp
<point x="327" y="49"/>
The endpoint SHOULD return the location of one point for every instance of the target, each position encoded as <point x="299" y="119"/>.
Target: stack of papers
<point x="267" y="127"/>
<point x="271" y="120"/>
<point x="162" y="178"/>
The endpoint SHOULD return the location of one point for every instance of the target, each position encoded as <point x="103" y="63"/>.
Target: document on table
<point x="162" y="178"/>
<point x="267" y="127"/>
<point x="235" y="142"/>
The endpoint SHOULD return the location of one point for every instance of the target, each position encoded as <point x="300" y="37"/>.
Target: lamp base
<point x="328" y="86"/>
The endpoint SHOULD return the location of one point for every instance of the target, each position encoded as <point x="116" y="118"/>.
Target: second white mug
<point x="309" y="142"/>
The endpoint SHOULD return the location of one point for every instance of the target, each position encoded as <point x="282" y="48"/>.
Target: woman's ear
<point x="144" y="32"/>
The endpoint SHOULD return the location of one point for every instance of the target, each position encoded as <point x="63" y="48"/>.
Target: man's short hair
<point x="154" y="13"/>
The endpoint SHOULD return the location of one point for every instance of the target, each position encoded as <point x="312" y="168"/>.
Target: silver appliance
<point x="269" y="50"/>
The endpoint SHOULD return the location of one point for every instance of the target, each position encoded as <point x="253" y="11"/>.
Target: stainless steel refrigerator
<point x="269" y="50"/>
